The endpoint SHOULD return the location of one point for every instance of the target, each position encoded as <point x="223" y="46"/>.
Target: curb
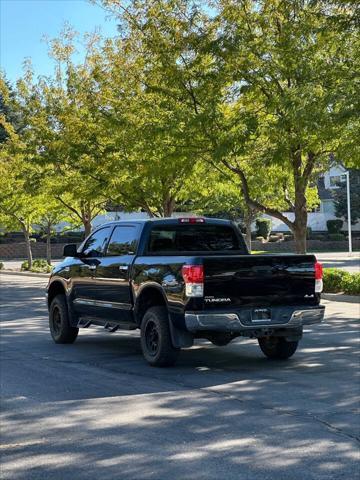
<point x="25" y="274"/>
<point x="340" y="297"/>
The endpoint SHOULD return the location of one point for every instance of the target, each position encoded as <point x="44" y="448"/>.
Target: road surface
<point x="95" y="410"/>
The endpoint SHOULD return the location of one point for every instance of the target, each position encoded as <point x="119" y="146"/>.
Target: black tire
<point x="60" y="328"/>
<point x="277" y="348"/>
<point x="155" y="337"/>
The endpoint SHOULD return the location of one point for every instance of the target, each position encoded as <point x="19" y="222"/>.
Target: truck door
<point x="112" y="278"/>
<point x="83" y="271"/>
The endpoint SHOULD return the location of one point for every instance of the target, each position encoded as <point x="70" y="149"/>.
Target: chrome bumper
<point x="239" y="321"/>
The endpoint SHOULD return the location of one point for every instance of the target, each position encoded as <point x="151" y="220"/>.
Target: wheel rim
<point x="152" y="338"/>
<point x="271" y="343"/>
<point x="56" y="320"/>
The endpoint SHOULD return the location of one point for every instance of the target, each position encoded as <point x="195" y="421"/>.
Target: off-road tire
<point x="277" y="348"/>
<point x="156" y="343"/>
<point x="60" y="328"/>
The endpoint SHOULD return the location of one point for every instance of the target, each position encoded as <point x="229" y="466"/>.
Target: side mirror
<point x="70" y="250"/>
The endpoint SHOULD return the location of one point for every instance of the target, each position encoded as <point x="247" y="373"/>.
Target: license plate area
<point x="259" y="315"/>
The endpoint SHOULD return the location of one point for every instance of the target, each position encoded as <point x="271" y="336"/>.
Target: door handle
<point x="123" y="267"/>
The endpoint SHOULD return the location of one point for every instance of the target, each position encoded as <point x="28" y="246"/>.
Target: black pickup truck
<point x="181" y="279"/>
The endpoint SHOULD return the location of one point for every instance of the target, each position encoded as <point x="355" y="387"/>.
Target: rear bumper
<point x="240" y="321"/>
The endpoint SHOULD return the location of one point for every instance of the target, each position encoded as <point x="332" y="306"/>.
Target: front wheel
<point x="60" y="328"/>
<point x="277" y="348"/>
<point x="156" y="343"/>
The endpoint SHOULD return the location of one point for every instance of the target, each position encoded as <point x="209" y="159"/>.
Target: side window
<point x="96" y="243"/>
<point x="123" y="241"/>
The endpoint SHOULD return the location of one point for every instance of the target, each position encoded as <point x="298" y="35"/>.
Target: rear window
<point x="194" y="238"/>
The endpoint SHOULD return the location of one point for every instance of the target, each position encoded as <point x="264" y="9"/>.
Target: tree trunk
<point x="300" y="240"/>
<point x="168" y="207"/>
<point x="87" y="227"/>
<point x="48" y="245"/>
<point x="300" y="221"/>
<point x="248" y="221"/>
<point x="28" y="248"/>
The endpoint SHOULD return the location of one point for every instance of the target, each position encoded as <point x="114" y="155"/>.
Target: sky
<point x="24" y="23"/>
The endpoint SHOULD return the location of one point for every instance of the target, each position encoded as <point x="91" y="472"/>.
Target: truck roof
<point x="167" y="221"/>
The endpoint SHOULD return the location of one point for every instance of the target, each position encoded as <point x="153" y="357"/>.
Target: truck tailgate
<point x="259" y="280"/>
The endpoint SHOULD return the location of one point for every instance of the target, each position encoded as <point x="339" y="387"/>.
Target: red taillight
<point x="318" y="277"/>
<point x="318" y="271"/>
<point x="193" y="276"/>
<point x="191" y="220"/>
<point x="193" y="273"/>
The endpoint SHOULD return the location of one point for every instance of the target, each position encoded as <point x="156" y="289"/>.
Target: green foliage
<point x="334" y="226"/>
<point x="352" y="284"/>
<point x="39" y="265"/>
<point x="263" y="227"/>
<point x="337" y="281"/>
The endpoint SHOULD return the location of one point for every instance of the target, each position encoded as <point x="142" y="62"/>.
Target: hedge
<point x="336" y="281"/>
<point x="334" y="226"/>
<point x="263" y="227"/>
<point x="39" y="265"/>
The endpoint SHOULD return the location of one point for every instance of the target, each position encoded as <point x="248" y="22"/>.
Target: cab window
<point x="123" y="241"/>
<point x="95" y="245"/>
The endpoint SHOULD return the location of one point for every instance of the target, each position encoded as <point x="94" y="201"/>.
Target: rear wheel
<point x="156" y="341"/>
<point x="60" y="328"/>
<point x="277" y="348"/>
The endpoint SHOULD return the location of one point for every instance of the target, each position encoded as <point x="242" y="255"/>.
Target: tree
<point x="266" y="82"/>
<point x="340" y="197"/>
<point x="19" y="207"/>
<point x="52" y="215"/>
<point x="20" y="204"/>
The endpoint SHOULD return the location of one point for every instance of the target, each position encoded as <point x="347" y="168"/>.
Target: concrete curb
<point x="340" y="297"/>
<point x="25" y="274"/>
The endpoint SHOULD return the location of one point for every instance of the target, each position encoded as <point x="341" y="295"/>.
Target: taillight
<point x="318" y="277"/>
<point x="193" y="276"/>
<point x="191" y="220"/>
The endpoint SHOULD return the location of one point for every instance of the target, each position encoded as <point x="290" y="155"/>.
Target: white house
<point x="327" y="184"/>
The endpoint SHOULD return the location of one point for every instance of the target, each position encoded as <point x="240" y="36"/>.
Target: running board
<point x="85" y="322"/>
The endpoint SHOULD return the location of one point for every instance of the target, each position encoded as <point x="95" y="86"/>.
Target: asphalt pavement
<point x="95" y="410"/>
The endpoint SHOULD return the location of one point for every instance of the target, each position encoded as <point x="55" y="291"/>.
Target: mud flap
<point x="180" y="338"/>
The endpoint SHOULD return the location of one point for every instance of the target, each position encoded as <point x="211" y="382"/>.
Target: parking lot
<point x="95" y="410"/>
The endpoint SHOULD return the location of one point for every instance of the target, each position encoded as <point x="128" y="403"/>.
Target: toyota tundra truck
<point x="180" y="279"/>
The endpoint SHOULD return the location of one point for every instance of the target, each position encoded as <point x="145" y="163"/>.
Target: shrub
<point x="333" y="279"/>
<point x="334" y="226"/>
<point x="336" y="281"/>
<point x="24" y="265"/>
<point x="352" y="284"/>
<point x="263" y="227"/>
<point x="1" y="265"/>
<point x="336" y="237"/>
<point x="308" y="233"/>
<point x="39" y="265"/>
